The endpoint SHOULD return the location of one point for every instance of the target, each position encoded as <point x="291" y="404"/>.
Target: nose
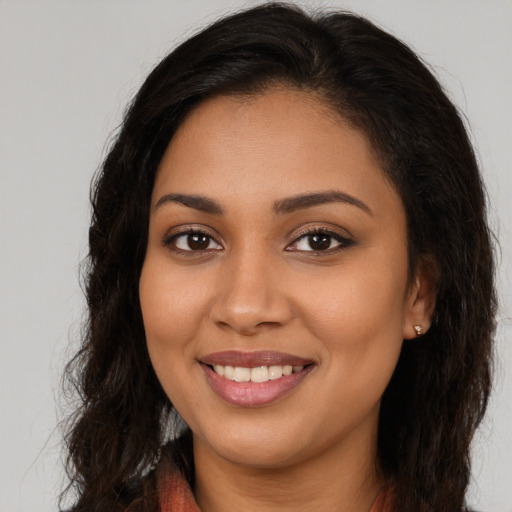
<point x="251" y="296"/>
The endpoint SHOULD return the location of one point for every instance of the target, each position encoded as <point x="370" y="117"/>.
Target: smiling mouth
<point x="252" y="379"/>
<point x="257" y="374"/>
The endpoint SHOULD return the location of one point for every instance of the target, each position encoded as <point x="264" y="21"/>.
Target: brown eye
<point x="191" y="241"/>
<point x="319" y="242"/>
<point x="198" y="241"/>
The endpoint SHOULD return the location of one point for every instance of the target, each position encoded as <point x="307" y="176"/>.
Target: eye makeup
<point x="318" y="240"/>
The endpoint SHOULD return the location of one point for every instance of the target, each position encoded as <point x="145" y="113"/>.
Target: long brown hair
<point x="439" y="391"/>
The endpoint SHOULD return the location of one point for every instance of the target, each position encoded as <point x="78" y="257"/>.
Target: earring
<point x="418" y="329"/>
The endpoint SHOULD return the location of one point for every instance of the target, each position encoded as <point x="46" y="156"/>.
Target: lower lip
<point x="254" y="394"/>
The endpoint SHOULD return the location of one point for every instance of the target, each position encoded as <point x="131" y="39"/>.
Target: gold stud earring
<point x="418" y="329"/>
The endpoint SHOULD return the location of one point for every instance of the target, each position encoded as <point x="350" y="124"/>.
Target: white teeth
<point x="219" y="369"/>
<point x="229" y="372"/>
<point x="242" y="374"/>
<point x="275" y="372"/>
<point x="257" y="374"/>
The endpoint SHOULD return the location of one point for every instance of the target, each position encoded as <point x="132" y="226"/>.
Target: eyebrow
<point x="291" y="204"/>
<point x="280" y="207"/>
<point x="201" y="203"/>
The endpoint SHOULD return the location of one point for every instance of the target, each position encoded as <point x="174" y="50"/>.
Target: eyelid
<point x="345" y="241"/>
<point x="186" y="230"/>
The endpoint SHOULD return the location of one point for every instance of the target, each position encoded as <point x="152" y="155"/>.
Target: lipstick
<point x="254" y="379"/>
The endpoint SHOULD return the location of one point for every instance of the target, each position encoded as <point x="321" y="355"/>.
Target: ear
<point x="421" y="300"/>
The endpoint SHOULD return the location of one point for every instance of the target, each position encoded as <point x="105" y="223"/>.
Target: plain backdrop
<point x="67" y="70"/>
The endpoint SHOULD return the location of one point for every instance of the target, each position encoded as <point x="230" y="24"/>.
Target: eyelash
<point x="343" y="242"/>
<point x="169" y="241"/>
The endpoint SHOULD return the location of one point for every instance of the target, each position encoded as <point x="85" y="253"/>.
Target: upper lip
<point x="254" y="359"/>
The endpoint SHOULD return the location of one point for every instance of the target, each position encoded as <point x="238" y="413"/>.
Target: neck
<point x="342" y="478"/>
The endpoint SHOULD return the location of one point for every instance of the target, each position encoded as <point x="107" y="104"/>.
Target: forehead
<point x="278" y="143"/>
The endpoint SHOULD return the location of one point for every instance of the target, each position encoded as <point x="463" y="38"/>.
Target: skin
<point x="258" y="285"/>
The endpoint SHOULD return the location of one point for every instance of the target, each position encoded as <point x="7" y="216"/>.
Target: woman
<point x="289" y="248"/>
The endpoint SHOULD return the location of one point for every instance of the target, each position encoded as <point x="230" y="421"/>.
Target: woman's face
<point x="276" y="245"/>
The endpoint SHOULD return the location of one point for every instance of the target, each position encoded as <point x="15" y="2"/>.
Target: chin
<point x="259" y="447"/>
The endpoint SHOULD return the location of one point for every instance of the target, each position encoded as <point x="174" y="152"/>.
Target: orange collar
<point x="176" y="496"/>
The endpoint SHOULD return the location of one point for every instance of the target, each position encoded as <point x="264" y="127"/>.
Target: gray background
<point x="67" y="69"/>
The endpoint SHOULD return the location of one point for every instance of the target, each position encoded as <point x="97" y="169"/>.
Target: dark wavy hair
<point x="439" y="391"/>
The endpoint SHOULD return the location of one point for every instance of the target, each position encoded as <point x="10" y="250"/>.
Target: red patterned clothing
<point x="176" y="496"/>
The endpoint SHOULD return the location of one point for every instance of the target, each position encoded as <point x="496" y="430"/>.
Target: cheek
<point x="171" y="301"/>
<point x="172" y="305"/>
<point x="358" y="313"/>
<point x="359" y="330"/>
<point x="365" y="300"/>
